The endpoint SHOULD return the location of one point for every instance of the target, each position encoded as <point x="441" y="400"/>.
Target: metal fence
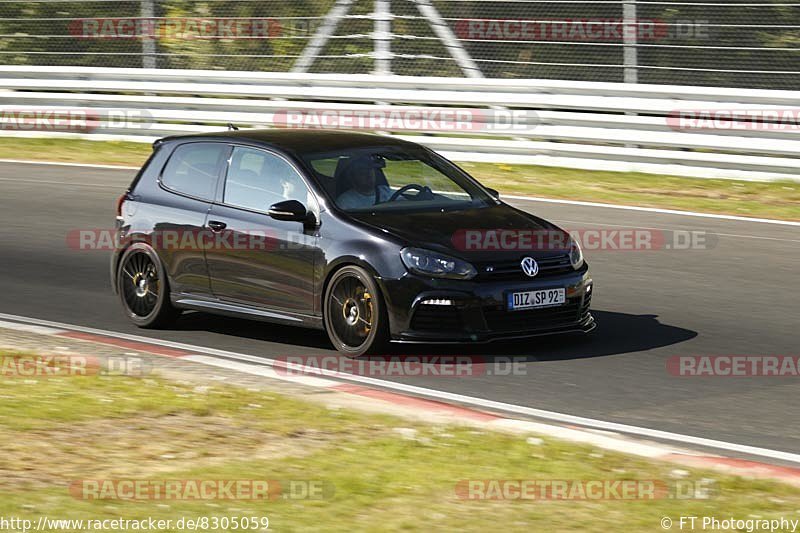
<point x="740" y="43"/>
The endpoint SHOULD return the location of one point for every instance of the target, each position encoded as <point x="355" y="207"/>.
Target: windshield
<point x="394" y="178"/>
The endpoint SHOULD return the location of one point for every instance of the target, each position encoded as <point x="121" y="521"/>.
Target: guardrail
<point x="691" y="131"/>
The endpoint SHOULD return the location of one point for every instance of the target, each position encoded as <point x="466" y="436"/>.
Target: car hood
<point x="446" y="231"/>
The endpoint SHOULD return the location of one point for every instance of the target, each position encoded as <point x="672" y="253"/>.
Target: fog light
<point x="588" y="289"/>
<point x="436" y="301"/>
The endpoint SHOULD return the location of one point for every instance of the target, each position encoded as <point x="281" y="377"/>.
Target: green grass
<point x="380" y="473"/>
<point x="779" y="200"/>
<point x="76" y="151"/>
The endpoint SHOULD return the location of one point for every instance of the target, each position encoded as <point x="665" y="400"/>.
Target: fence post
<point x="321" y="37"/>
<point x="382" y="38"/>
<point x="630" y="31"/>
<point x="454" y="47"/>
<point x="149" y="58"/>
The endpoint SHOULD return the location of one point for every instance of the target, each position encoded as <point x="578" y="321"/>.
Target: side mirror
<point x="289" y="210"/>
<point x="493" y="192"/>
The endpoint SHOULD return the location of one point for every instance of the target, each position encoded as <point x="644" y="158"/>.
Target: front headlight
<point x="575" y="254"/>
<point x="434" y="264"/>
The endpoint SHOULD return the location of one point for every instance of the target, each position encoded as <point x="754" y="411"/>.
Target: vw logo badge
<point x="530" y="267"/>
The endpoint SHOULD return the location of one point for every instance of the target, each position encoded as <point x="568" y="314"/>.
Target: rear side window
<point x="193" y="169"/>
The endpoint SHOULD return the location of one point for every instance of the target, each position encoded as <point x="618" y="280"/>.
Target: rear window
<point x="193" y="169"/>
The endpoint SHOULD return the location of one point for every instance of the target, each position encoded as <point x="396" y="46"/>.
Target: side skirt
<point x="236" y="310"/>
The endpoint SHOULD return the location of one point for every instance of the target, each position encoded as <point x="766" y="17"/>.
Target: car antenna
<point x="231" y="127"/>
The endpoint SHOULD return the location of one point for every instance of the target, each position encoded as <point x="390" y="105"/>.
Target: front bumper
<point x="478" y="312"/>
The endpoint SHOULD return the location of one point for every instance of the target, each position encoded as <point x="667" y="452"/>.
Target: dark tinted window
<point x="193" y="169"/>
<point x="257" y="179"/>
<point x="373" y="178"/>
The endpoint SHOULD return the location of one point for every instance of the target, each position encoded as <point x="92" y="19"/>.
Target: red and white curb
<point x="459" y="408"/>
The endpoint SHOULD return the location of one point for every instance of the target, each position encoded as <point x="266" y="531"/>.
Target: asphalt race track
<point x="739" y="297"/>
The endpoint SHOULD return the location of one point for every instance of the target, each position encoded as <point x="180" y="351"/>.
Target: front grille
<point x="512" y="270"/>
<point x="436" y="318"/>
<point x="498" y="319"/>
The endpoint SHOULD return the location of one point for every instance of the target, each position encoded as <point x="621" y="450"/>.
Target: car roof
<point x="301" y="141"/>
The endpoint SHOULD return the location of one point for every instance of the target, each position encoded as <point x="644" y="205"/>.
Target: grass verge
<point x="379" y="473"/>
<point x="779" y="200"/>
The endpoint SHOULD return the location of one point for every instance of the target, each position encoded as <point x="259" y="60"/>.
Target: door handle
<point x="216" y="226"/>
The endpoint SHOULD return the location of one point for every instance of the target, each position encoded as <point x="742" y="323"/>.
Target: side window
<point x="257" y="179"/>
<point x="193" y="169"/>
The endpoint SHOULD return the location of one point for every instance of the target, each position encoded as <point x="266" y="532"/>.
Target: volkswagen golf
<point x="371" y="238"/>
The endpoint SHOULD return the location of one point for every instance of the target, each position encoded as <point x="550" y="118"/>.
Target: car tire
<point x="143" y="288"/>
<point x="355" y="314"/>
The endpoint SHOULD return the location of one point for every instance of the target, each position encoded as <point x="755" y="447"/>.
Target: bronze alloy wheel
<point x="354" y="312"/>
<point x="143" y="287"/>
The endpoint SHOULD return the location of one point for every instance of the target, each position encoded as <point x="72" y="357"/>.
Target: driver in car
<point x="365" y="191"/>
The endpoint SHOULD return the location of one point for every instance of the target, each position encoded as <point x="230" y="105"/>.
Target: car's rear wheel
<point x="143" y="288"/>
<point x="355" y="314"/>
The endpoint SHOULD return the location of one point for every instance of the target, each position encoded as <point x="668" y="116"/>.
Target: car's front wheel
<point x="143" y="288"/>
<point x="355" y="313"/>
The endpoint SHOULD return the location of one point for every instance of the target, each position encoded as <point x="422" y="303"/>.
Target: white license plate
<point x="536" y="299"/>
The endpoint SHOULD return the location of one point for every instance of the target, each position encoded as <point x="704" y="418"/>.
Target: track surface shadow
<point x="253" y="329"/>
<point x="616" y="334"/>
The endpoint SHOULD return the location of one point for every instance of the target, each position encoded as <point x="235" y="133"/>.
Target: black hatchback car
<point x="371" y="238"/>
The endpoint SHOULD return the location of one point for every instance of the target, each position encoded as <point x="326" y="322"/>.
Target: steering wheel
<point x="424" y="192"/>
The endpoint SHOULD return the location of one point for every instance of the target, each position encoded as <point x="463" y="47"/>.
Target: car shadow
<point x="253" y="329"/>
<point x="617" y="333"/>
